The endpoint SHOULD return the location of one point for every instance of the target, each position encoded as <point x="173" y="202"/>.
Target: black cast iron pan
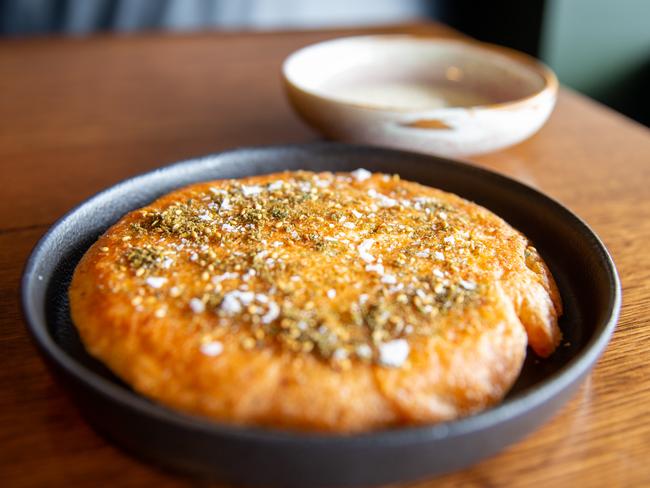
<point x="583" y="269"/>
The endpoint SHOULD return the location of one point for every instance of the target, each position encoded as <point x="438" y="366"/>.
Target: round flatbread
<point x="316" y="301"/>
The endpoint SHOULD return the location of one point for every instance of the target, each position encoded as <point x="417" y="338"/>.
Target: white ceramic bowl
<point x="426" y="94"/>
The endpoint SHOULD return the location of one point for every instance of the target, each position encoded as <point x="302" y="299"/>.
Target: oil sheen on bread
<point x="329" y="302"/>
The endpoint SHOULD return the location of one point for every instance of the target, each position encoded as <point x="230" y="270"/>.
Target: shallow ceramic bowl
<point x="432" y="95"/>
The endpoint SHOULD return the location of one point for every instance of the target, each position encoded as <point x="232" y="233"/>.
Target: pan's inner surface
<point x="568" y="248"/>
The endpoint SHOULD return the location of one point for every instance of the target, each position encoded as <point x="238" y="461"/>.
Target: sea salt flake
<point x="225" y="276"/>
<point x="423" y="254"/>
<point x="438" y="273"/>
<point x="249" y="274"/>
<point x="276" y="185"/>
<point x="197" y="305"/>
<point x="225" y="205"/>
<point x="230" y="304"/>
<point x="155" y="281"/>
<point x="468" y="285"/>
<point x="260" y="297"/>
<point x="449" y="240"/>
<point x="322" y="183"/>
<point x="349" y="225"/>
<point x="393" y="353"/>
<point x="377" y="268"/>
<point x="304" y="186"/>
<point x="262" y="254"/>
<point x="272" y="314"/>
<point x="389" y="279"/>
<point x="364" y="249"/>
<point x="249" y="191"/>
<point x="246" y="297"/>
<point x="339" y="354"/>
<point x="439" y="256"/>
<point x="361" y="174"/>
<point x="383" y="200"/>
<point x="212" y="349"/>
<point x="364" y="351"/>
<point x="331" y="293"/>
<point x="395" y="289"/>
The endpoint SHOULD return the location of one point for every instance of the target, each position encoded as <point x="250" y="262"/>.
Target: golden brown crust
<point x="162" y="301"/>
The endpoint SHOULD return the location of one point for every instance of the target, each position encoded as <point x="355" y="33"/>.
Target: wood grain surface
<point x="79" y="115"/>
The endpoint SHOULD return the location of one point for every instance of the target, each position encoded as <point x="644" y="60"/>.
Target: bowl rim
<point x="514" y="407"/>
<point x="550" y="82"/>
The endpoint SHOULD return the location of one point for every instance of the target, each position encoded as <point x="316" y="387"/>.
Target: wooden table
<point x="79" y="115"/>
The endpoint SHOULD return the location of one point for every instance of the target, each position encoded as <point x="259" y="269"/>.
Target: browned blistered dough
<point x="318" y="302"/>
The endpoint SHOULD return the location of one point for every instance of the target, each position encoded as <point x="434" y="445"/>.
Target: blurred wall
<point x="79" y="17"/>
<point x="601" y="48"/>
